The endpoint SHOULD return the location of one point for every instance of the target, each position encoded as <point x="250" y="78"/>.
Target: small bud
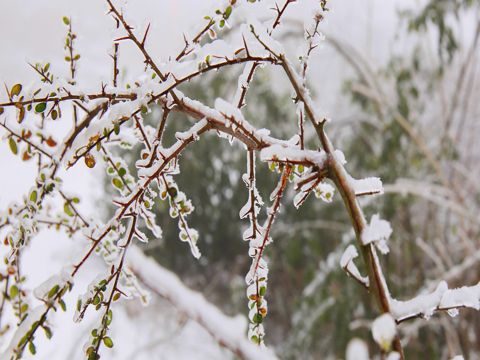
<point x="90" y="160"/>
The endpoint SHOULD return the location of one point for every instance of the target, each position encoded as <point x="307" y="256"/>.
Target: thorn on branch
<point x="145" y="36"/>
<point x="122" y="38"/>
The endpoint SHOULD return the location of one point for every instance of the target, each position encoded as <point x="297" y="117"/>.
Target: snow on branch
<point x="347" y="264"/>
<point x="441" y="299"/>
<point x="377" y="232"/>
<point x="229" y="332"/>
<point x="367" y="186"/>
<point x="293" y="155"/>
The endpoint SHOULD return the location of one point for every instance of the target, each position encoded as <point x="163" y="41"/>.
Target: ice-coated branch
<point x="257" y="275"/>
<point x="441" y="299"/>
<point x="347" y="264"/>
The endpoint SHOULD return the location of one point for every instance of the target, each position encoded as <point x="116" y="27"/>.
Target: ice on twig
<point x="367" y="186"/>
<point x="441" y="298"/>
<point x="377" y="232"/>
<point x="346" y="262"/>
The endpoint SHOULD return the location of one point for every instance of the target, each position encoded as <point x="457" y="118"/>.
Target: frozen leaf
<point x="384" y="331"/>
<point x="13" y="146"/>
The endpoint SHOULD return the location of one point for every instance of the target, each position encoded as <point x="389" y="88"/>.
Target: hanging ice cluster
<point x="180" y="207"/>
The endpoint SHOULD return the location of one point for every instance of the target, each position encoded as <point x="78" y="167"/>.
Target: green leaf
<point x="23" y="340"/>
<point x="48" y="332"/>
<point x="109" y="317"/>
<point x="257" y="318"/>
<point x="67" y="209"/>
<point x="40" y="107"/>
<point x="262" y="291"/>
<point x="62" y="305"/>
<point x="31" y="348"/>
<point x="21" y="114"/>
<point x="33" y="196"/>
<point x="53" y="291"/>
<point x="228" y="12"/>
<point x="66" y="20"/>
<point x="13" y="291"/>
<point x="13" y="146"/>
<point x="96" y="300"/>
<point x="24" y="308"/>
<point x="122" y="171"/>
<point x="117" y="183"/>
<point x="16" y="89"/>
<point x="108" y="342"/>
<point x="91" y="353"/>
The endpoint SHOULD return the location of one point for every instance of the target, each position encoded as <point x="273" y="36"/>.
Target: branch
<point x="442" y="299"/>
<point x="340" y="177"/>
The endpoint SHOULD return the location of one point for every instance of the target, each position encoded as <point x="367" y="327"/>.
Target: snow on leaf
<point x="324" y="191"/>
<point x="377" y="232"/>
<point x="43" y="291"/>
<point x="28" y="323"/>
<point x="384" y="331"/>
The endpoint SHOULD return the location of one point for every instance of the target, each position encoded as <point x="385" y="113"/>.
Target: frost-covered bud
<point x="357" y="350"/>
<point x="324" y="192"/>
<point x="393" y="356"/>
<point x="384" y="331"/>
